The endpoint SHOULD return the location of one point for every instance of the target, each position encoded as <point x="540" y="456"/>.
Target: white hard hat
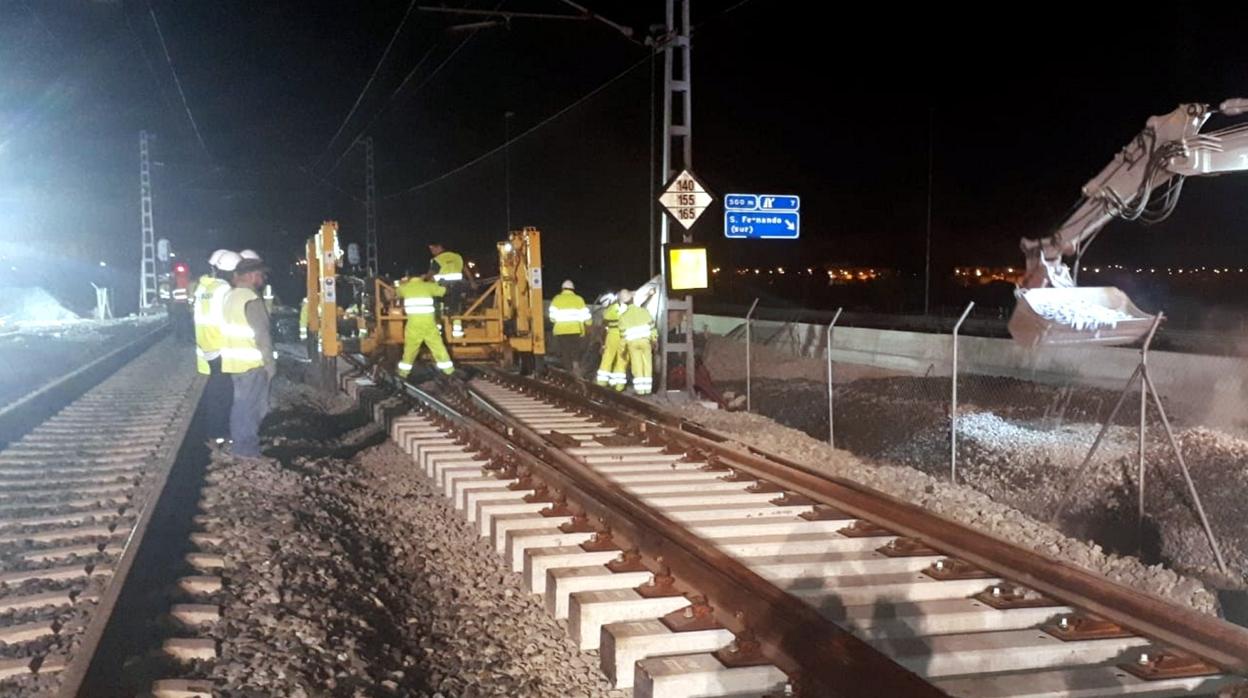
<point x="216" y="256"/>
<point x="567" y="283"/>
<point x="228" y="260"/>
<point x="249" y="254"/>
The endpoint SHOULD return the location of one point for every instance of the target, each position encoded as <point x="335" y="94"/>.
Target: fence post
<point x="748" y="320"/>
<point x="831" y="431"/>
<point x="953" y="411"/>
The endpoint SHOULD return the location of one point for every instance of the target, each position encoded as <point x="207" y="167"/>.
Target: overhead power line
<point x="398" y="30"/>
<point x="654" y="48"/>
<point x="528" y="131"/>
<point x="178" y="83"/>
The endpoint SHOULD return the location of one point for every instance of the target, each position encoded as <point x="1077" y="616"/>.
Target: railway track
<point x="85" y="462"/>
<point x="698" y="567"/>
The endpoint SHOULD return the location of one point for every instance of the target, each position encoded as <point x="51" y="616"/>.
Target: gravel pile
<point x="1019" y="463"/>
<point x="348" y="575"/>
<point x="959" y="503"/>
<point x="1219" y="466"/>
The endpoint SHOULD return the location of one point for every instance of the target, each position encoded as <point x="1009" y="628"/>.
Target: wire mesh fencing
<point x="1027" y="418"/>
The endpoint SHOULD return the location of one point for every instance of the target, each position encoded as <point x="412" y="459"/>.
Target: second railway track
<point x="76" y="493"/>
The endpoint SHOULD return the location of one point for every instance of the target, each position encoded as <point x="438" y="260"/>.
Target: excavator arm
<point x="1143" y="182"/>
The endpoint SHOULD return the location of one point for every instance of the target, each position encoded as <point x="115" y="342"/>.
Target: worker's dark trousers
<point x="456" y="291"/>
<point x="183" y="323"/>
<point x="218" y="395"/>
<point x="251" y="403"/>
<point x="569" y="348"/>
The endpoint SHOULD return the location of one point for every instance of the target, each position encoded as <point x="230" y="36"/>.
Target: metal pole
<point x="927" y="257"/>
<point x="652" y="175"/>
<point x="1148" y="340"/>
<point x="831" y="431"/>
<point x="370" y="209"/>
<point x="1187" y="476"/>
<point x="748" y="319"/>
<point x="147" y="258"/>
<point x="507" y="164"/>
<point x="953" y="412"/>
<point x="1096" y="444"/>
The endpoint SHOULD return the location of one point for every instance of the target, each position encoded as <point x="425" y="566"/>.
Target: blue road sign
<point x="767" y="202"/>
<point x="742" y="202"/>
<point x="762" y="216"/>
<point x="762" y="224"/>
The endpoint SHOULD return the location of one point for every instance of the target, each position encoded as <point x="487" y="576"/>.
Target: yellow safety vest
<point x="239" y="352"/>
<point x="636" y="323"/>
<point x="418" y="295"/>
<point x="450" y="267"/>
<point x="611" y="319"/>
<point x="209" y="313"/>
<point x="568" y="313"/>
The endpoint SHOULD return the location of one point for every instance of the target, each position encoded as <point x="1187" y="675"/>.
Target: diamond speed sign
<point x="686" y="199"/>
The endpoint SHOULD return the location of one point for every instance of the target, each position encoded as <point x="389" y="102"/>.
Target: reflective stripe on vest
<point x="638" y="332"/>
<point x="452" y="276"/>
<point x="242" y="354"/>
<point x="418" y="306"/>
<point x="569" y="314"/>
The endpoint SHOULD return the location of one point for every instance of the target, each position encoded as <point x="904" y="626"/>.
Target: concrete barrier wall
<point x="1200" y="389"/>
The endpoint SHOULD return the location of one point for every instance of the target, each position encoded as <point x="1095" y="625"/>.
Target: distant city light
<point x="103" y="263"/>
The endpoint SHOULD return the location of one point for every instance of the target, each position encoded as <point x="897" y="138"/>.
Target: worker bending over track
<point x="613" y="368"/>
<point x="638" y="332"/>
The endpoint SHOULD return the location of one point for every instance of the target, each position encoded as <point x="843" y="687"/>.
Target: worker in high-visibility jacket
<point x="247" y="355"/>
<point x="612" y="369"/>
<point x="303" y="319"/>
<point x="638" y="332"/>
<point x="570" y="317"/>
<point x="422" y="326"/>
<point x="208" y="313"/>
<point x="448" y="269"/>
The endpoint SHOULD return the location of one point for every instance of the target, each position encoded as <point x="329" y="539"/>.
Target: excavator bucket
<point x="1077" y="315"/>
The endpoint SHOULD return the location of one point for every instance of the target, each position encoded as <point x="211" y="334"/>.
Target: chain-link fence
<point x="1027" y="419"/>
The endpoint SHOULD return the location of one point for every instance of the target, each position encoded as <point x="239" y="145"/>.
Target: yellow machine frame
<point x="505" y="320"/>
<point x="322" y="260"/>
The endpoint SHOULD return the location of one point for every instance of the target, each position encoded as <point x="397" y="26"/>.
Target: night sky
<point x="834" y="106"/>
